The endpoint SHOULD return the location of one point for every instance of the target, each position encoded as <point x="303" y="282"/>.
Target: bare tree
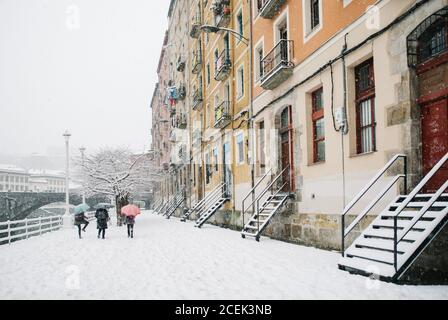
<point x="115" y="172"/>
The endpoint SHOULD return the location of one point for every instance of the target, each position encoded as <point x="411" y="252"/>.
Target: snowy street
<point x="169" y="259"/>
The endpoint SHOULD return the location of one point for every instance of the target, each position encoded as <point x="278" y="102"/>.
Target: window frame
<point x="317" y="115"/>
<point x="362" y="95"/>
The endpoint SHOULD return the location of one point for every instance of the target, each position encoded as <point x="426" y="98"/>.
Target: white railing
<point x="23" y="229"/>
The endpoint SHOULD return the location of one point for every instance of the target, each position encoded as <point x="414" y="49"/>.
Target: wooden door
<point x="434" y="121"/>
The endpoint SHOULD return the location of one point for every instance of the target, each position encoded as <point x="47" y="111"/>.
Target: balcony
<point x="197" y="99"/>
<point x="222" y="12"/>
<point x="222" y="115"/>
<point x="195" y="29"/>
<point x="196" y="63"/>
<point x="223" y="65"/>
<point x="173" y="135"/>
<point x="277" y="65"/>
<point x="180" y="64"/>
<point x="269" y="8"/>
<point x="181" y="121"/>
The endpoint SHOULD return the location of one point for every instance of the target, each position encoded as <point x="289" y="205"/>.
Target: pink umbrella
<point x="130" y="210"/>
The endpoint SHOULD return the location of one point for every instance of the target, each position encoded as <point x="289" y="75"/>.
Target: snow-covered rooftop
<point x="12" y="169"/>
<point x="46" y="173"/>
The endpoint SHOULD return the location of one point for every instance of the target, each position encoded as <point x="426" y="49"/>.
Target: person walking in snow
<point x="80" y="219"/>
<point x="102" y="217"/>
<point x="130" y="221"/>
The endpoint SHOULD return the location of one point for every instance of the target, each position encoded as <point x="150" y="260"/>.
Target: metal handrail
<point x="366" y="188"/>
<point x="206" y="198"/>
<point x="372" y="204"/>
<point x="257" y="206"/>
<point x="213" y="198"/>
<point x="423" y="210"/>
<point x="252" y="191"/>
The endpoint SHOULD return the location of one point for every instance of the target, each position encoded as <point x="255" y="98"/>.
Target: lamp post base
<point x="67" y="221"/>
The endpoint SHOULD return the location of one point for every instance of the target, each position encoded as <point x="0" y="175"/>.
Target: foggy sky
<point x="88" y="66"/>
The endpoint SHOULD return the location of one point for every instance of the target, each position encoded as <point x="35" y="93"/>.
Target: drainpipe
<point x="251" y="110"/>
<point x="344" y="129"/>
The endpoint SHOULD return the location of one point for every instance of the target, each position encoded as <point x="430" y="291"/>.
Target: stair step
<point x="382" y="244"/>
<point x="367" y="266"/>
<point x="414" y="204"/>
<point x="410" y="214"/>
<point x="246" y="233"/>
<point x="387" y="233"/>
<point x="389" y="223"/>
<point x="371" y="254"/>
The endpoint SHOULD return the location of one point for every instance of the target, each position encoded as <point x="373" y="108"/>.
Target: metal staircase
<point x="199" y="206"/>
<point x="212" y="205"/>
<point x="162" y="207"/>
<point x="157" y="205"/>
<point x="178" y="200"/>
<point x="172" y="202"/>
<point x="272" y="198"/>
<point x="397" y="236"/>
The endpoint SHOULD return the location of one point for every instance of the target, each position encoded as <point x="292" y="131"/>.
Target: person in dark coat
<point x="80" y="219"/>
<point x="102" y="217"/>
<point x="130" y="220"/>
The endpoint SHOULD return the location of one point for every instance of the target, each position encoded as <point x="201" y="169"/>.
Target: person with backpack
<point x="130" y="220"/>
<point x="102" y="217"/>
<point x="80" y="219"/>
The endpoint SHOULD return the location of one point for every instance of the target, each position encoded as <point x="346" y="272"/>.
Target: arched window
<point x="429" y="38"/>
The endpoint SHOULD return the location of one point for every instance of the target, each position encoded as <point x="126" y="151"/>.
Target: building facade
<point x="310" y="98"/>
<point x="16" y="179"/>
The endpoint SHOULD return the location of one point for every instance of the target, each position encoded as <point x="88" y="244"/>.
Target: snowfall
<point x="170" y="259"/>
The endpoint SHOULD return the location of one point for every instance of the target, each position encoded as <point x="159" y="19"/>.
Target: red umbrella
<point x="130" y="210"/>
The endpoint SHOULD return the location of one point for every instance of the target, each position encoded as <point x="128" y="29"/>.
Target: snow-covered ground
<point x="169" y="259"/>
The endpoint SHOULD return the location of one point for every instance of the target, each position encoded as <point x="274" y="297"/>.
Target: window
<point x="318" y="126"/>
<point x="240" y="148"/>
<point x="216" y="57"/>
<point x="365" y="107"/>
<point x="215" y="158"/>
<point x="262" y="146"/>
<point x="258" y="62"/>
<point x="208" y="73"/>
<point x="312" y="16"/>
<point x="315" y="19"/>
<point x="239" y="23"/>
<point x="433" y="41"/>
<point x="240" y="75"/>
<point x="208" y="172"/>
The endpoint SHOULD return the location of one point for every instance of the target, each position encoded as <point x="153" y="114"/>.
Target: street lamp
<point x="67" y="219"/>
<point x="83" y="149"/>
<point x="213" y="29"/>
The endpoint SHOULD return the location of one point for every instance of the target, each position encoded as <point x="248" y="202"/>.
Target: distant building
<point x="46" y="181"/>
<point x="16" y="179"/>
<point x="13" y="179"/>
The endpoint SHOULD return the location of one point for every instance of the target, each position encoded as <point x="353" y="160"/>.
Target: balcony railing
<point x="197" y="99"/>
<point x="269" y="8"/>
<point x="277" y="64"/>
<point x="223" y="65"/>
<point x="196" y="64"/>
<point x="222" y="115"/>
<point x="195" y="29"/>
<point x="180" y="121"/>
<point x="222" y="12"/>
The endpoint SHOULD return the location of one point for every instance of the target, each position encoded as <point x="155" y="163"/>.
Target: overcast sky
<point x="88" y="66"/>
